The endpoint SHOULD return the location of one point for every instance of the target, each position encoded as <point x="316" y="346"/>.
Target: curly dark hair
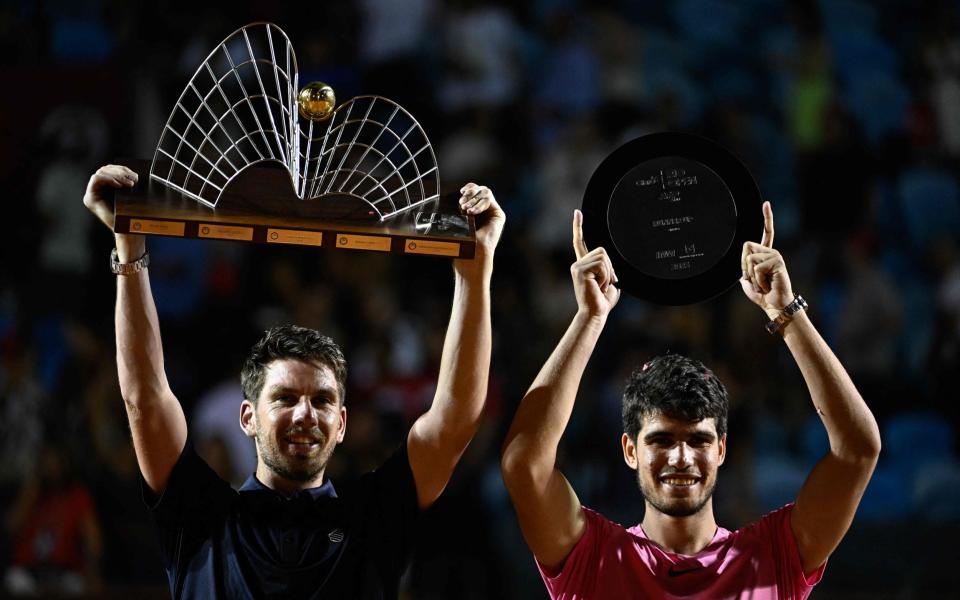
<point x="291" y="341"/>
<point x="675" y="386"/>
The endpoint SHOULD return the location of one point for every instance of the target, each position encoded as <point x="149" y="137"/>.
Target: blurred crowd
<point x="847" y="112"/>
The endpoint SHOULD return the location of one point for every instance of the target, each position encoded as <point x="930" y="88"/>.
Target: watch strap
<point x="119" y="268"/>
<point x="780" y="321"/>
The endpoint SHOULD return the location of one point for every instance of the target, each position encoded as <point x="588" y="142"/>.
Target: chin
<point x="673" y="506"/>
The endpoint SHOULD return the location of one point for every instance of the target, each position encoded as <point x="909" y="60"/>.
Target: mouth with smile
<point x="302" y="441"/>
<point x="679" y="480"/>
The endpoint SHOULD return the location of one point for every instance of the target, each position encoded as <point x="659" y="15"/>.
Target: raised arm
<point x="156" y="419"/>
<point x="828" y="499"/>
<point x="547" y="507"/>
<point x="439" y="437"/>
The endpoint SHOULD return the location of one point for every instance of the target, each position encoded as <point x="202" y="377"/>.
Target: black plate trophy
<point x="248" y="155"/>
<point x="673" y="211"/>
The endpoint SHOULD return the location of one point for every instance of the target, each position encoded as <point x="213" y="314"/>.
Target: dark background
<point x="847" y="112"/>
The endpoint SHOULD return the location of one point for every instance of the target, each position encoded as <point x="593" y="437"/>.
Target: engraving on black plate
<point x="672" y="217"/>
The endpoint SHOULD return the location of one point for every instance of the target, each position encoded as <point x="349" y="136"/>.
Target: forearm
<point x="531" y="444"/>
<point x="139" y="350"/>
<point x="850" y="425"/>
<point x="465" y="363"/>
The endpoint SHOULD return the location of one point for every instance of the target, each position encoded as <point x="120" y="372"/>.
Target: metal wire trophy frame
<point x="365" y="167"/>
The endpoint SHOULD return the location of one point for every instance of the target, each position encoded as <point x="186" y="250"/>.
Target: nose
<point x="304" y="413"/>
<point x="680" y="456"/>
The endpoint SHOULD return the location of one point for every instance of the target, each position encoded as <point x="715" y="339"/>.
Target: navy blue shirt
<point x="218" y="542"/>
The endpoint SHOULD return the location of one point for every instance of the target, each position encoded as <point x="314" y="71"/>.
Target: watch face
<point x="672" y="211"/>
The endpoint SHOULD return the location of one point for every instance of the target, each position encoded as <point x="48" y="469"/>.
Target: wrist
<point x="801" y="322"/>
<point x="779" y="320"/>
<point x="480" y="266"/>
<point x="130" y="247"/>
<point x="589" y="318"/>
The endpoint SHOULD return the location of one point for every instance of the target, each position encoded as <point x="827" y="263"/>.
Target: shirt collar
<point x="252" y="484"/>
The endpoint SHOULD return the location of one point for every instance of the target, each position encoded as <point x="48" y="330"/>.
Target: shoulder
<point x="774" y="524"/>
<point x="599" y="535"/>
<point x="771" y="541"/>
<point x="389" y="487"/>
<point x="603" y="526"/>
<point x="394" y="469"/>
<point x="607" y="561"/>
<point x="194" y="488"/>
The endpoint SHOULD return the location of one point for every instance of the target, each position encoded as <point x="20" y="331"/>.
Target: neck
<point x="285" y="486"/>
<point x="680" y="535"/>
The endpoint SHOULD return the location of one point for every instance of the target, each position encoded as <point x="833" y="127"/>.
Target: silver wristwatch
<point x="129" y="268"/>
<point x="786" y="315"/>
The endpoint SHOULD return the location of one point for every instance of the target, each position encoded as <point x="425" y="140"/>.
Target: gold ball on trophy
<point x="316" y="101"/>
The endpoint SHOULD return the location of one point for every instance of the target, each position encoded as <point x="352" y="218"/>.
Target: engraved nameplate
<point x="225" y="232"/>
<point x="363" y="242"/>
<point x="156" y="227"/>
<point x="294" y="236"/>
<point x="429" y="247"/>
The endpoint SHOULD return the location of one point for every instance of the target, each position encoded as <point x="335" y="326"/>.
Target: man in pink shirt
<point x="675" y="419"/>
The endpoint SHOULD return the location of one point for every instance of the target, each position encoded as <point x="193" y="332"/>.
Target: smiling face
<point x="297" y="421"/>
<point x="676" y="463"/>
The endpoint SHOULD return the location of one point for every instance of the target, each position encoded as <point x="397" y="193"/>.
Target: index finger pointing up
<point x="579" y="247"/>
<point x="767" y="225"/>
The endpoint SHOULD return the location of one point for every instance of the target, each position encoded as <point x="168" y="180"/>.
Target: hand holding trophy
<point x="673" y="210"/>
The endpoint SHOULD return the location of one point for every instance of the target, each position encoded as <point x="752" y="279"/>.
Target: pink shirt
<point x="757" y="562"/>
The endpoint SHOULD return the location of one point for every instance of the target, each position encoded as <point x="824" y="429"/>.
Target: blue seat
<point x="888" y="496"/>
<point x="857" y="51"/>
<point x="929" y="203"/>
<point x="879" y="102"/>
<point x="912" y="438"/>
<point x="769" y="437"/>
<point x="936" y="491"/>
<point x="777" y="479"/>
<point x="721" y="28"/>
<point x="80" y="40"/>
<point x="847" y="14"/>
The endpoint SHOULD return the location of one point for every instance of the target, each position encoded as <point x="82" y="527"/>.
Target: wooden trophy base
<point x="261" y="206"/>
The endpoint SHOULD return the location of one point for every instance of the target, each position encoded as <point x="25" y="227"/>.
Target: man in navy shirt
<point x="287" y="533"/>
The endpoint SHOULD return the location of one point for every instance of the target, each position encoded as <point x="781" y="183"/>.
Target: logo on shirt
<point x="335" y="536"/>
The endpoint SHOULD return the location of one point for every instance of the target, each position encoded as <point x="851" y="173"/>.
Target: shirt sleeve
<point x="791" y="580"/>
<point x="194" y="501"/>
<point x="577" y="574"/>
<point x="391" y="510"/>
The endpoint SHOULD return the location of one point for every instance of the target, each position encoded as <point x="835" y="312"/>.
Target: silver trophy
<point x="248" y="155"/>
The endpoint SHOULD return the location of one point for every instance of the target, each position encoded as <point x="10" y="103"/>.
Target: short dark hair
<point x="291" y="341"/>
<point x="675" y="386"/>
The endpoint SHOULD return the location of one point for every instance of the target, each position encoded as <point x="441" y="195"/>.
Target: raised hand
<point x="95" y="198"/>
<point x="765" y="280"/>
<point x="593" y="275"/>
<point x="478" y="200"/>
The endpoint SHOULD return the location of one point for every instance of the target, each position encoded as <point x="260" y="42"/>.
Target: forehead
<point x="299" y="376"/>
<point x="662" y="422"/>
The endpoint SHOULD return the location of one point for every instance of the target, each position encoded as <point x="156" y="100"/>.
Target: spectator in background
<point x="23" y="402"/>
<point x="57" y="541"/>
<point x="481" y="46"/>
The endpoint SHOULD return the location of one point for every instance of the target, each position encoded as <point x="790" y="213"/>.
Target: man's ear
<point x="342" y="427"/>
<point x="248" y="419"/>
<point x="629" y="452"/>
<point x="723" y="449"/>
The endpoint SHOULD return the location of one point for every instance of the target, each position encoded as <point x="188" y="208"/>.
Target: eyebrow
<point x="283" y="390"/>
<point x="662" y="433"/>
